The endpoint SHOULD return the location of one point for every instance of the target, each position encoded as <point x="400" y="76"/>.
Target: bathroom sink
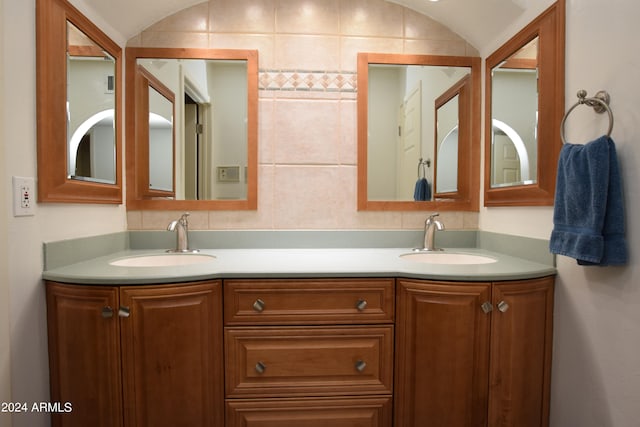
<point x="163" y="260"/>
<point x="447" y="258"/>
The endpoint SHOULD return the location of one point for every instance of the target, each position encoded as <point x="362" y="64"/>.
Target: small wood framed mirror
<point x="402" y="115"/>
<point x="524" y="107"/>
<point x="78" y="108"/>
<point x="192" y="129"/>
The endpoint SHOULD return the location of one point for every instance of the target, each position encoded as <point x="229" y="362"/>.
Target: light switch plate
<point x="24" y="199"/>
<point x="228" y="173"/>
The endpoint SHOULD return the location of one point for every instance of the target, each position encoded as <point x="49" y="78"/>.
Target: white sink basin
<point x="163" y="260"/>
<point x="447" y="258"/>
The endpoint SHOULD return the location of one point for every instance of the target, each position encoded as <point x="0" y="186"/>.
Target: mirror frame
<point x="549" y="26"/>
<point x="468" y="194"/>
<point x="146" y="81"/>
<point x="54" y="185"/>
<point x="458" y="89"/>
<point x="137" y="198"/>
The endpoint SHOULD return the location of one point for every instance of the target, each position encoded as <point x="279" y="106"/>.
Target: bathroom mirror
<point x="157" y="104"/>
<point x="407" y="104"/>
<point x="78" y="126"/>
<point x="203" y="155"/>
<point x="448" y="110"/>
<point x="524" y="108"/>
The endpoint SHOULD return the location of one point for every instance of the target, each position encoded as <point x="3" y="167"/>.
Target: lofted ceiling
<point x="477" y="21"/>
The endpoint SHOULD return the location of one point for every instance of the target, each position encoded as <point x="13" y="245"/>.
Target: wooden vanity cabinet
<point x="375" y="352"/>
<point x="84" y="355"/>
<point x="136" y="355"/>
<point x="473" y="354"/>
<point x="312" y="353"/>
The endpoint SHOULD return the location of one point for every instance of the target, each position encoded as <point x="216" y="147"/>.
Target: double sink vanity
<point x="347" y="336"/>
<point x="297" y="328"/>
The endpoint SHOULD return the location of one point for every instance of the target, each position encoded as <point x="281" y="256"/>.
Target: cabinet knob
<point x="258" y="305"/>
<point x="361" y="305"/>
<point x="260" y="367"/>
<point x="123" y="311"/>
<point x="360" y="365"/>
<point x="503" y="306"/>
<point x="486" y="307"/>
<point x="107" y="312"/>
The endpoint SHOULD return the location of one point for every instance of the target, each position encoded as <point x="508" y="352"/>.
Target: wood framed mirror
<point x="211" y="162"/>
<point x="398" y="132"/>
<point x="156" y="103"/>
<point x="524" y="107"/>
<point x="78" y="121"/>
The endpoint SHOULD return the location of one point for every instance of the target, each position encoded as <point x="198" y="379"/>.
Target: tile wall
<point x="307" y="115"/>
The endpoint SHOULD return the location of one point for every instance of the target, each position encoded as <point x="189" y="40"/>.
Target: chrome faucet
<point x="430" y="227"/>
<point x="181" y="227"/>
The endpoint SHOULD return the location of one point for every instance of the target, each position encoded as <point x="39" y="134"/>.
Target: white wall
<point x="22" y="298"/>
<point x="596" y="365"/>
<point x="5" y="359"/>
<point x="596" y="371"/>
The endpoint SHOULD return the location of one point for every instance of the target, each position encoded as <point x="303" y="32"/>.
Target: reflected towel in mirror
<point x="422" y="191"/>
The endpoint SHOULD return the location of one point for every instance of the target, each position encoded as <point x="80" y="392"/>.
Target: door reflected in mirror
<point x="91" y="144"/>
<point x="415" y="131"/>
<point x="402" y="149"/>
<point x="514" y="143"/>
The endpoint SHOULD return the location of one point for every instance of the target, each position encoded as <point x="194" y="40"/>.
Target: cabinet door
<point x="172" y="355"/>
<point x="442" y="351"/>
<point x="84" y="354"/>
<point x="521" y="340"/>
<point x="318" y="412"/>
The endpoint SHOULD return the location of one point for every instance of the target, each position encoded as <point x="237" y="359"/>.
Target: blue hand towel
<point x="588" y="213"/>
<point x="422" y="191"/>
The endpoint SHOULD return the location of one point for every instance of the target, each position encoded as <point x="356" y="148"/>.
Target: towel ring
<point x="421" y="166"/>
<point x="599" y="103"/>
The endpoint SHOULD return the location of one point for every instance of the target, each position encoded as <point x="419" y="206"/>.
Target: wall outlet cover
<point x="24" y="199"/>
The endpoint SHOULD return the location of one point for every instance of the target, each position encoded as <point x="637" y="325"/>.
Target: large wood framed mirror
<point x="78" y="108"/>
<point x="418" y="118"/>
<point x="524" y="107"/>
<point x="192" y="129"/>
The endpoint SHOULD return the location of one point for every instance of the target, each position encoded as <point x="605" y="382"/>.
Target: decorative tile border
<point x="309" y="81"/>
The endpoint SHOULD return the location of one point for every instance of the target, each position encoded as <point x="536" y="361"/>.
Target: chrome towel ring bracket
<point x="421" y="167"/>
<point x="599" y="103"/>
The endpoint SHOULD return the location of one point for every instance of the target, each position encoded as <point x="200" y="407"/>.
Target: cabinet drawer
<point x="311" y="361"/>
<point x="295" y="302"/>
<point x="319" y="412"/>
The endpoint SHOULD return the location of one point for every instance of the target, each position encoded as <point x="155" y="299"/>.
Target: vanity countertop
<point x="297" y="263"/>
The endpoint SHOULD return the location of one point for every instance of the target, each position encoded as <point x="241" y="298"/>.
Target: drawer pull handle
<point x="486" y="307"/>
<point x="503" y="306"/>
<point x="258" y="305"/>
<point x="260" y="367"/>
<point x="361" y="305"/>
<point x="123" y="311"/>
<point x="360" y="365"/>
<point x="107" y="312"/>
